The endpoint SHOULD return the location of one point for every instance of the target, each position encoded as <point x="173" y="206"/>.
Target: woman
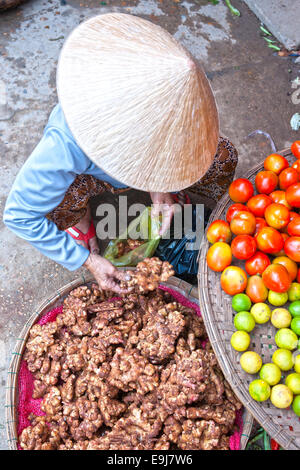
<point x="135" y="111"/>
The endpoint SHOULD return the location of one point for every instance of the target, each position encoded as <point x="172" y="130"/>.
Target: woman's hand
<point x="107" y="276"/>
<point x="163" y="203"/>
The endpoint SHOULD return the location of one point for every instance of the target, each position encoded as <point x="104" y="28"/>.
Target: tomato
<point x="219" y="256"/>
<point x="243" y="246"/>
<point x="279" y="198"/>
<point x="277" y="216"/>
<point x="241" y="190"/>
<point x="287" y="177"/>
<point x="257" y="263"/>
<point x="295" y="148"/>
<point x="293" y="195"/>
<point x="233" y="280"/>
<point x="269" y="240"/>
<point x="275" y="163"/>
<point x="289" y="265"/>
<point x="292" y="248"/>
<point x="276" y="278"/>
<point x="256" y="289"/>
<point x="258" y="204"/>
<point x="218" y="231"/>
<point x="296" y="165"/>
<point x="243" y="223"/>
<point x="266" y="182"/>
<point x="234" y="209"/>
<point x="293" y="227"/>
<point x="298" y="276"/>
<point x="284" y="236"/>
<point x="260" y="223"/>
<point x="293" y="215"/>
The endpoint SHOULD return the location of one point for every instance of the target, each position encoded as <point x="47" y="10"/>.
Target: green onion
<point x="233" y="10"/>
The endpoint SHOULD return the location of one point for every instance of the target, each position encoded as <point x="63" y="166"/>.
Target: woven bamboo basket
<point x="182" y="287"/>
<point x="217" y="312"/>
<point x="6" y="4"/>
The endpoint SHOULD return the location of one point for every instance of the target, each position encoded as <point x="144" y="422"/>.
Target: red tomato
<point x="241" y="190"/>
<point x="266" y="182"/>
<point x="257" y="263"/>
<point x="292" y="248"/>
<point x="296" y="166"/>
<point x="243" y="223"/>
<point x="234" y="209"/>
<point x="219" y="256"/>
<point x="269" y="240"/>
<point x="243" y="246"/>
<point x="298" y="275"/>
<point x="287" y="177"/>
<point x="256" y="289"/>
<point x="295" y="148"/>
<point x="218" y="231"/>
<point x="233" y="280"/>
<point x="275" y="163"/>
<point x="279" y="198"/>
<point x="293" y="227"/>
<point x="293" y="195"/>
<point x="285" y="236"/>
<point x="258" y="204"/>
<point x="289" y="265"/>
<point x="293" y="215"/>
<point x="260" y="223"/>
<point x="277" y="216"/>
<point x="277" y="278"/>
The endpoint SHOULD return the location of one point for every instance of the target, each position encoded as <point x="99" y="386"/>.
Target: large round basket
<point x="180" y="286"/>
<point x="282" y="425"/>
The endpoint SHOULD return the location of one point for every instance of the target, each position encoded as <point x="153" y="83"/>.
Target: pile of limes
<point x="287" y="322"/>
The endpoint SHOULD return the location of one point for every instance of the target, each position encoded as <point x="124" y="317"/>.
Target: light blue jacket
<point x="40" y="186"/>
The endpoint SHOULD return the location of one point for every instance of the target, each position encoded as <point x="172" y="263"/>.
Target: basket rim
<point x="275" y="431"/>
<point x="183" y="287"/>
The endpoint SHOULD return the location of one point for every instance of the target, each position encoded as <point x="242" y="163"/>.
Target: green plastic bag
<point x="148" y="229"/>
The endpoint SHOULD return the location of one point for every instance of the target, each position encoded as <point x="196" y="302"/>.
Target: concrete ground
<point x="253" y="86"/>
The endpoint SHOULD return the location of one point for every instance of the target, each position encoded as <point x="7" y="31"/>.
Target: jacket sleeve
<point x="39" y="187"/>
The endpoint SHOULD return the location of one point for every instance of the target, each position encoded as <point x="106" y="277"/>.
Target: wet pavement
<point x="254" y="89"/>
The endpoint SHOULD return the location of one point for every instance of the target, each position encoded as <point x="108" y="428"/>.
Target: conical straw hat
<point x="137" y="104"/>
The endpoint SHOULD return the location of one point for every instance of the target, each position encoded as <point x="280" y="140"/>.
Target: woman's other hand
<point x="106" y="274"/>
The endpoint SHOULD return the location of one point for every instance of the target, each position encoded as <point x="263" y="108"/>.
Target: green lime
<point x="270" y="373"/>
<point x="240" y="340"/>
<point x="293" y="382"/>
<point x="281" y="396"/>
<point x="294" y="292"/>
<point x="294" y="308"/>
<point x="251" y="362"/>
<point x="286" y="339"/>
<point x="244" y="321"/>
<point x="277" y="299"/>
<point x="295" y="325"/>
<point x="283" y="359"/>
<point x="261" y="312"/>
<point x="241" y="302"/>
<point x="281" y="318"/>
<point x="296" y="405"/>
<point x="297" y="364"/>
<point x="259" y="390"/>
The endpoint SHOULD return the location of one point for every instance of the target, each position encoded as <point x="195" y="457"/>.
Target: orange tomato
<point x="296" y="166"/>
<point x="275" y="163"/>
<point x="258" y="204"/>
<point x="219" y="256"/>
<point x="289" y="265"/>
<point x="295" y="148"/>
<point x="266" y="182"/>
<point x="233" y="280"/>
<point x="277" y="216"/>
<point x="241" y="190"/>
<point x="218" y="231"/>
<point x="276" y="278"/>
<point x="293" y="227"/>
<point x="292" y="248"/>
<point x="256" y="289"/>
<point x="288" y="177"/>
<point x="293" y="195"/>
<point x="279" y="198"/>
<point x="269" y="240"/>
<point x="234" y="209"/>
<point x="243" y="223"/>
<point x="257" y="263"/>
